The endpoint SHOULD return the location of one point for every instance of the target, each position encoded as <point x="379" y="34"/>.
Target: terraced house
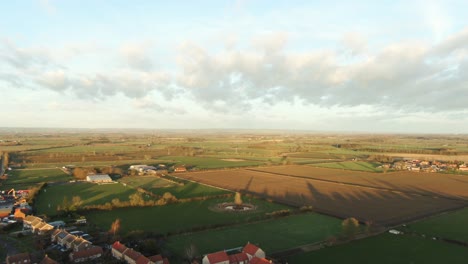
<point x="250" y="254"/>
<point x="130" y="256"/>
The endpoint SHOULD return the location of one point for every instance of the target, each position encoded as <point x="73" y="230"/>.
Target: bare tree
<point x="350" y="227"/>
<point x="115" y="227"/>
<point x="238" y="199"/>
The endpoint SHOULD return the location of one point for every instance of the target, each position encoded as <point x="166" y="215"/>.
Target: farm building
<point x="180" y="169"/>
<point x="142" y="168"/>
<point x="98" y="178"/>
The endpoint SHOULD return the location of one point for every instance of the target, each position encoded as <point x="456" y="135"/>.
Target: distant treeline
<point x="384" y="149"/>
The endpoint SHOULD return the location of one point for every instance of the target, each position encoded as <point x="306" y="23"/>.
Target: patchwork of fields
<point x="366" y="196"/>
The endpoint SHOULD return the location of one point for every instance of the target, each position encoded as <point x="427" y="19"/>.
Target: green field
<point x="159" y="186"/>
<point x="178" y="217"/>
<point x="352" y="165"/>
<point x="272" y="235"/>
<point x="208" y="162"/>
<point x="450" y="225"/>
<point x="90" y="193"/>
<point x="387" y="248"/>
<point x="36" y="176"/>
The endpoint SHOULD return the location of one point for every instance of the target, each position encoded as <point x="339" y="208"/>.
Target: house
<point x="41" y="228"/>
<point x="180" y="168"/>
<point x="239" y="258"/>
<point x="131" y="256"/>
<point x="58" y="236"/>
<point x="143" y="260"/>
<point x="118" y="250"/>
<point x="99" y="178"/>
<point x="47" y="260"/>
<point x="28" y="220"/>
<point x="80" y="244"/>
<point x="216" y="258"/>
<point x="86" y="254"/>
<point x="22" y="258"/>
<point x="256" y="260"/>
<point x="253" y="251"/>
<point x="68" y="241"/>
<point x="158" y="259"/>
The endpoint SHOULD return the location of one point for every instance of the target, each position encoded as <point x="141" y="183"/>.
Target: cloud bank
<point x="411" y="75"/>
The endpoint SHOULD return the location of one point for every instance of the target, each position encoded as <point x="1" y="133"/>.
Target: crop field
<point x="90" y="193"/>
<point x="451" y="226"/>
<point x="210" y="162"/>
<point x="387" y="248"/>
<point x="160" y="186"/>
<point x="179" y="217"/>
<point x="36" y="176"/>
<point x="351" y="165"/>
<point x="272" y="235"/>
<point x="381" y="206"/>
<point x="450" y="185"/>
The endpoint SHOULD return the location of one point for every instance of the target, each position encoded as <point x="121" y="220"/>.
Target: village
<point x="417" y="165"/>
<point x="63" y="242"/>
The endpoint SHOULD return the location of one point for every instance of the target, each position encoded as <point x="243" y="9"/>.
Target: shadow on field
<point x="389" y="206"/>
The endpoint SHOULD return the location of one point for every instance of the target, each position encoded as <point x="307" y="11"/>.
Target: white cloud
<point x="137" y="56"/>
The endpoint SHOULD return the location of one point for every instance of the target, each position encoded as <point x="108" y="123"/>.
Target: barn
<point x="98" y="178"/>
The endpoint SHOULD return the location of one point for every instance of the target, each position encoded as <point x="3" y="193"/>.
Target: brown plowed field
<point x="382" y="206"/>
<point x="438" y="184"/>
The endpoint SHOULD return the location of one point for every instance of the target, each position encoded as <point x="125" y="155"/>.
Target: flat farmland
<point x="91" y="194"/>
<point x="384" y="207"/>
<point x="272" y="235"/>
<point x="386" y="248"/>
<point x="435" y="184"/>
<point x="159" y="186"/>
<point x="30" y="176"/>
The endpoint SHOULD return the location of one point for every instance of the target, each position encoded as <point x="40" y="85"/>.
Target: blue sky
<point x="386" y="66"/>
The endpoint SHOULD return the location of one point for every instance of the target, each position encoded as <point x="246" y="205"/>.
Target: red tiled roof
<point x="86" y="253"/>
<point x="156" y="258"/>
<point x="143" y="260"/>
<point x="250" y="249"/>
<point x="47" y="260"/>
<point x="119" y="247"/>
<point x="237" y="258"/>
<point x="159" y="259"/>
<point x="256" y="260"/>
<point x="22" y="257"/>
<point x="217" y="257"/>
<point x="132" y="254"/>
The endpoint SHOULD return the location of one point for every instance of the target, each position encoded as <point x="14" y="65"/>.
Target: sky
<point x="363" y="66"/>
